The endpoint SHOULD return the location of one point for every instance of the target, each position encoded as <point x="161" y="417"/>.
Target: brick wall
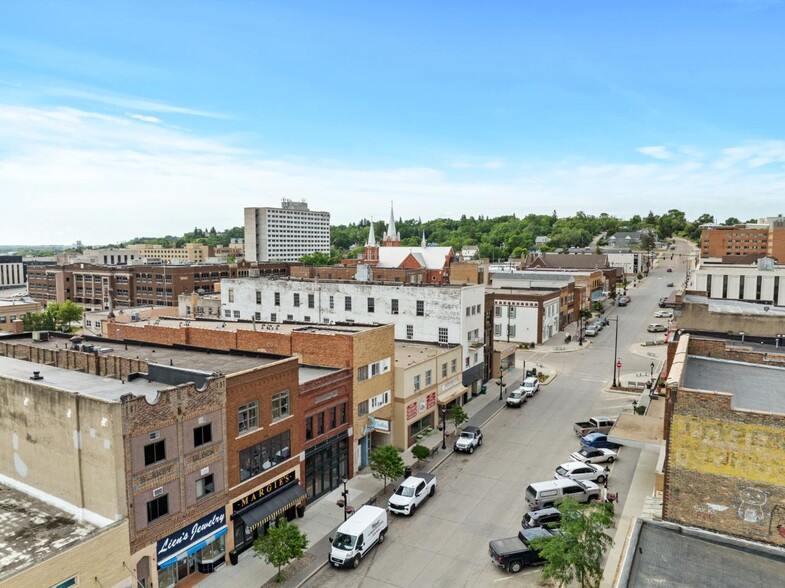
<point x="321" y="394"/>
<point x="724" y="467"/>
<point x="90" y="363"/>
<point x="733" y="352"/>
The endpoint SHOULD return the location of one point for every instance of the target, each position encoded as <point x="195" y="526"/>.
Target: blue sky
<point x="123" y="119"/>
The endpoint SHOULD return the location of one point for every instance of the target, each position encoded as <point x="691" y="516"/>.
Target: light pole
<point x="345" y="494"/>
<point x="652" y="370"/>
<point x="501" y="382"/>
<point x="615" y="350"/>
<point x="443" y="410"/>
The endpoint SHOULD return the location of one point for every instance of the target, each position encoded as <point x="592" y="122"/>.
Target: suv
<point x="546" y="494"/>
<point x="541" y="518"/>
<point x="656" y="328"/>
<point x="530" y="386"/>
<point x="470" y="438"/>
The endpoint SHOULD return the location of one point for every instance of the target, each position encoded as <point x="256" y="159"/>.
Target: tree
<point x="575" y="553"/>
<point x="66" y="313"/>
<point x="421" y="452"/>
<point x="316" y="258"/>
<point x="385" y="462"/>
<point x="457" y="415"/>
<point x="732" y="220"/>
<point x="647" y="240"/>
<point x="282" y="543"/>
<point x="55" y="317"/>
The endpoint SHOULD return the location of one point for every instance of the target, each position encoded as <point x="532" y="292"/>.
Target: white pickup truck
<point x="412" y="493"/>
<point x="596" y="424"/>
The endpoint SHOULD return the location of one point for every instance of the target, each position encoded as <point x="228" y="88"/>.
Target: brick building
<point x="724" y="425"/>
<point x="766" y="237"/>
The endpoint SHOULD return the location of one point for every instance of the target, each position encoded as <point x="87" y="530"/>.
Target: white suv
<point x="530" y="386"/>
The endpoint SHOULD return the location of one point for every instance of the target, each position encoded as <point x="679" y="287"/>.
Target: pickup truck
<point x="412" y="492"/>
<point x="596" y="424"/>
<point x="514" y="553"/>
<point x="598" y="440"/>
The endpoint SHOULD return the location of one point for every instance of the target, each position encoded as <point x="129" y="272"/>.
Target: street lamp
<point x="501" y="382"/>
<point x="345" y="495"/>
<point x="616" y="349"/>
<point x="443" y="410"/>
<point x="652" y="370"/>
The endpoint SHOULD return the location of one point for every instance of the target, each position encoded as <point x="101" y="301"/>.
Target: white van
<point x="357" y="535"/>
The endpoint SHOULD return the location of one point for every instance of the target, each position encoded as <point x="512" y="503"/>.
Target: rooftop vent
<point x="36" y="376"/>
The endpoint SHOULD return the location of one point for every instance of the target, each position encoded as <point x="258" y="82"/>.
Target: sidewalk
<point x="324" y="516"/>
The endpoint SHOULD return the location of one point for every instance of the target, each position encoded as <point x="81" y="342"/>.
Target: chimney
<point x="36" y="376"/>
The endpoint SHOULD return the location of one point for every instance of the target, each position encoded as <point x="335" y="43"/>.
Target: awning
<point x="192" y="549"/>
<point x="272" y="507"/>
<point x="449" y="395"/>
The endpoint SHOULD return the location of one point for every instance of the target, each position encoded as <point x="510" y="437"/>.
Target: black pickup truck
<point x="515" y="553"/>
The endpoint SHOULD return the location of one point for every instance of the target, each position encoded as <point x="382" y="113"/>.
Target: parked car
<point x="663" y="314"/>
<point x="530" y="386"/>
<point x="470" y="438"/>
<point x="669" y="270"/>
<point x="594" y="455"/>
<point x="517" y="397"/>
<point x="544" y="517"/>
<point x="551" y="492"/>
<point x="595" y="424"/>
<point x="356" y="536"/>
<point x="657" y="328"/>
<point x="669" y="284"/>
<point x="412" y="492"/>
<point x="513" y="553"/>
<point x="577" y="470"/>
<point x="590" y="331"/>
<point x="598" y="441"/>
<point x="598" y="324"/>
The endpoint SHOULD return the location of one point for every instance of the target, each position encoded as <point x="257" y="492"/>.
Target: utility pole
<point x="615" y="350"/>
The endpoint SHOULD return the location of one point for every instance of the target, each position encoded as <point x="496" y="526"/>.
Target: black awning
<point x="272" y="508"/>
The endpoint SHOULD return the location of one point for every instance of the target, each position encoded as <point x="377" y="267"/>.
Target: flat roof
<point x="754" y="387"/>
<point x="736" y="306"/>
<point x="234" y="326"/>
<point x="665" y="554"/>
<point x="32" y="530"/>
<point x="306" y="373"/>
<point x="408" y="354"/>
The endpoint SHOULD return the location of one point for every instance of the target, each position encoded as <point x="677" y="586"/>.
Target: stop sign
<point x="618" y="364"/>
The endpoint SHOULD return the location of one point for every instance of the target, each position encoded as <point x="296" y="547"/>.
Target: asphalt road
<point x="481" y="496"/>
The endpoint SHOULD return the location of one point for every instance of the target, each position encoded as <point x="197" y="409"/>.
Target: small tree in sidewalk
<point x="457" y="415"/>
<point x="385" y="462"/>
<point x="282" y="543"/>
<point x="421" y="452"/>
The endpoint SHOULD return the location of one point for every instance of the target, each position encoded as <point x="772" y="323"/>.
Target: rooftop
<point x="408" y="354"/>
<point x="754" y="387"/>
<point x="664" y="554"/>
<point x="736" y="306"/>
<point x="234" y="326"/>
<point x="32" y="530"/>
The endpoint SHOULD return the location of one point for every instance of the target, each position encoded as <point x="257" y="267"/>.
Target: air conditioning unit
<point x="154" y="435"/>
<point x="158" y="492"/>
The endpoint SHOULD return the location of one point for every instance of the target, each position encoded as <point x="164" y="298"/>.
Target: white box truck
<point x="357" y="535"/>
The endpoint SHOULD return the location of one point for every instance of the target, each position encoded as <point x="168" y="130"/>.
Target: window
<point x="416" y="382"/>
<point x="280" y="405"/>
<point x="511" y="330"/>
<point x="277" y="299"/>
<point x="394" y="306"/>
<point x="72" y="581"/>
<point x="309" y="428"/>
<point x="375" y="369"/>
<point x="370" y="304"/>
<point x="258" y="297"/>
<point x="347" y="303"/>
<point x="231" y="294"/>
<point x="257" y="316"/>
<point x="310" y="301"/>
<point x="444" y="370"/>
<point x="362" y="373"/>
<point x="264" y="455"/>
<point x="498" y="311"/>
<point x="468" y="310"/>
<point x="380" y="400"/>
<point x="157" y="508"/>
<point x="497" y="330"/>
<point x="343" y="414"/>
<point x="154" y="452"/>
<point x="410" y="331"/>
<point x="273" y="317"/>
<point x="362" y="408"/>
<point x="248" y="417"/>
<point x="454" y="366"/>
<point x="237" y="314"/>
<point x="428" y="377"/>
<point x="227" y="313"/>
<point x="296" y="300"/>
<point x="443" y="335"/>
<point x="479" y="309"/>
<point x="420" y="308"/>
<point x="467" y="362"/>
<point x="289" y="317"/>
<point x="205" y="486"/>
<point x="320" y="423"/>
<point x="203" y="435"/>
<point x="511" y="311"/>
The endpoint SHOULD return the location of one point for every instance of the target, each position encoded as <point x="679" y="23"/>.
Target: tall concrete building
<point x="286" y="233"/>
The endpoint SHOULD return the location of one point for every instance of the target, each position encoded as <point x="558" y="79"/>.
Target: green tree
<point x="647" y="241"/>
<point x="386" y="463"/>
<point x="421" y="452"/>
<point x="282" y="543"/>
<point x="316" y="258"/>
<point x="457" y="415"/>
<point x="65" y="314"/>
<point x="732" y="220"/>
<point x="575" y="553"/>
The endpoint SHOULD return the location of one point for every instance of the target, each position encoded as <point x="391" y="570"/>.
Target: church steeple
<point x="391" y="237"/>
<point x="371" y="237"/>
<point x="371" y="254"/>
<point x="423" y="243"/>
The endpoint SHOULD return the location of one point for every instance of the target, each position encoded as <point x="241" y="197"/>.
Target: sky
<point x="130" y="119"/>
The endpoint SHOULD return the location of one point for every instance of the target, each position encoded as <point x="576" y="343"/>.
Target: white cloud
<point x="655" y="151"/>
<point x="142" y="117"/>
<point x="70" y="174"/>
<point x="489" y="164"/>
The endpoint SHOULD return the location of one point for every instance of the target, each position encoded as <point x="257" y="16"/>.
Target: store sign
<point x="431" y="400"/>
<point x="381" y="425"/>
<point x="187" y="536"/>
<point x="411" y="411"/>
<point x="263" y="491"/>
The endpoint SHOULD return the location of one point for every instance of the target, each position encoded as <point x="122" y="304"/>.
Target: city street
<point x="481" y="496"/>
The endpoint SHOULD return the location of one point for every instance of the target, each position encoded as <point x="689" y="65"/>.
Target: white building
<point x="762" y="281"/>
<point x="444" y="314"/>
<point x="286" y="233"/>
<point x="12" y="272"/>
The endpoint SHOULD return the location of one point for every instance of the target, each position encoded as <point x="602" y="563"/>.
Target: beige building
<point x="427" y="376"/>
<point x="192" y="252"/>
<point x="12" y="309"/>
